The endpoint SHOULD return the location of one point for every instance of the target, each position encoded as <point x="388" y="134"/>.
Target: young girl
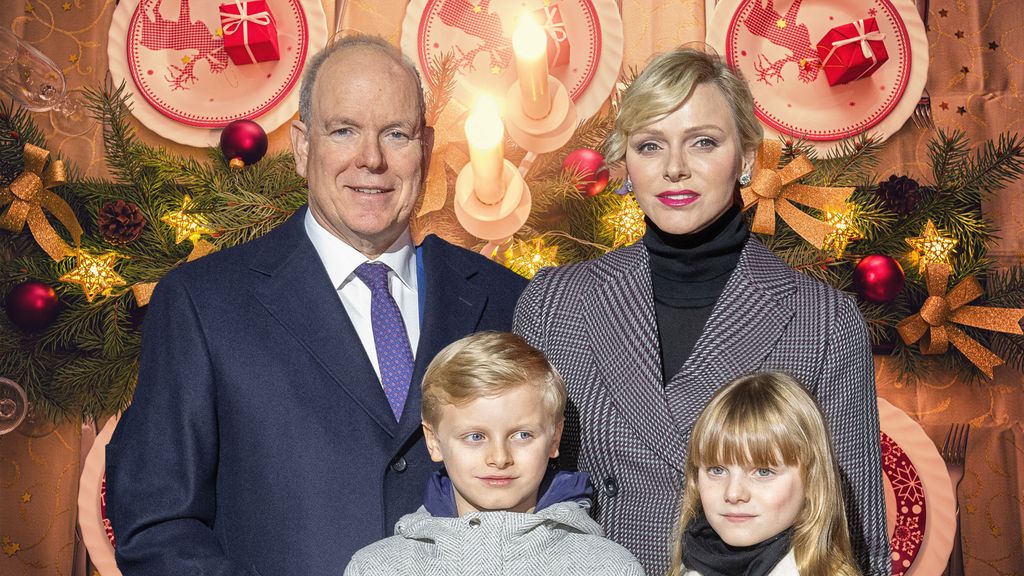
<point x="762" y="493"/>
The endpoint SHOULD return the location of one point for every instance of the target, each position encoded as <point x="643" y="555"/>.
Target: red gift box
<point x="852" y="51"/>
<point x="550" y="18"/>
<point x="250" y="32"/>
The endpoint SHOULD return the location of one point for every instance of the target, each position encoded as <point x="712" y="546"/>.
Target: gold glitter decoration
<point x="931" y="247"/>
<point x="95" y="274"/>
<point x="26" y="497"/>
<point x="526" y="258"/>
<point x="843" y="231"/>
<point x="10" y="548"/>
<point x="626" y="222"/>
<point x="186" y="225"/>
<point x="933" y="325"/>
<point x="29" y="196"/>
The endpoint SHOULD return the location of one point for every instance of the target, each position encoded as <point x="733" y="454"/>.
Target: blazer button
<point x="474" y="522"/>
<point x="611" y="486"/>
<point x="399" y="464"/>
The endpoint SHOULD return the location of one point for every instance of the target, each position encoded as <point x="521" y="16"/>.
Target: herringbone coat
<point x="596" y="323"/>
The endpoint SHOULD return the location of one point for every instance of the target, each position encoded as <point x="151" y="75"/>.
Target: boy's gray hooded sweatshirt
<point x="558" y="539"/>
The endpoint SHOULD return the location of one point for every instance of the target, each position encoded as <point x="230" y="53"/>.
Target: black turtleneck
<point x="688" y="273"/>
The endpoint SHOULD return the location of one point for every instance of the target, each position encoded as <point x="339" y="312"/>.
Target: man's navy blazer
<point x="259" y="440"/>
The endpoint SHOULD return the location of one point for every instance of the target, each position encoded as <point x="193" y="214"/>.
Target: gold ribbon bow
<point x="941" y="310"/>
<point x="449" y="150"/>
<point x="29" y="195"/>
<point x="773" y="191"/>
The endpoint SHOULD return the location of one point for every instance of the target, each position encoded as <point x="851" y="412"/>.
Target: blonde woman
<point x="762" y="493"/>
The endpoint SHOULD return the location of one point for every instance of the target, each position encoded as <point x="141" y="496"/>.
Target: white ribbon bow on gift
<point x="233" y="21"/>
<point x="862" y="37"/>
<point x="555" y="29"/>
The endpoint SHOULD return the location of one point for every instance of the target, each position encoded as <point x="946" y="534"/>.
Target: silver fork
<point x="954" y="453"/>
<point x="922" y="115"/>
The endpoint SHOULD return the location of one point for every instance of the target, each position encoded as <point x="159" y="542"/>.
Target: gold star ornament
<point x="843" y="231"/>
<point x="931" y="247"/>
<point x="186" y="225"/>
<point x="526" y="258"/>
<point x="95" y="274"/>
<point x="625" y="221"/>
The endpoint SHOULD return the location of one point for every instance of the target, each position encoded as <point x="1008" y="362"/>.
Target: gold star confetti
<point x="781" y="23"/>
<point x="526" y="258"/>
<point x="26" y="497"/>
<point x="476" y="9"/>
<point x="66" y="6"/>
<point x="9" y="548"/>
<point x="219" y="32"/>
<point x="843" y="231"/>
<point x="931" y="247"/>
<point x="95" y="274"/>
<point x="186" y="225"/>
<point x="73" y="58"/>
<point x="626" y="222"/>
<point x="29" y="9"/>
<point x="495" y="69"/>
<point x="186" y="59"/>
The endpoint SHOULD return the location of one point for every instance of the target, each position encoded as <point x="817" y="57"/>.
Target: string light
<point x="185" y="224"/>
<point x="931" y="247"/>
<point x="95" y="274"/>
<point x="625" y="221"/>
<point x="526" y="258"/>
<point x="843" y="231"/>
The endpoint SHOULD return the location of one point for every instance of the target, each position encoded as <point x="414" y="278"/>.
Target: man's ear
<point x="432" y="444"/>
<point x="428" y="147"/>
<point x="556" y="439"/>
<point x="299" y="134"/>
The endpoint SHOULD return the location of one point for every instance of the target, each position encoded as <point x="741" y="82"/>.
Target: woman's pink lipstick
<point x="678" y="198"/>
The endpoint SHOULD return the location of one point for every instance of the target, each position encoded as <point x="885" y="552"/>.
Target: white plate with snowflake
<point x="171" y="55"/>
<point x="772" y="45"/>
<point x="919" y="501"/>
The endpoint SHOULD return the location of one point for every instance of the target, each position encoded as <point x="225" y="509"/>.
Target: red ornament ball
<point x="589" y="164"/>
<point x="243" y="139"/>
<point x="32" y="306"/>
<point x="878" y="278"/>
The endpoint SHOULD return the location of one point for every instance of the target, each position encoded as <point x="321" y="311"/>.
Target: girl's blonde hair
<point x="767" y="420"/>
<point x="666" y="83"/>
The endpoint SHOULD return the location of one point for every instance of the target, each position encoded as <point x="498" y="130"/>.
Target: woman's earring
<point x="628" y="184"/>
<point x="745" y="179"/>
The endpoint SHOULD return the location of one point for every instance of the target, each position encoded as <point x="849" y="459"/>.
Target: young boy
<point x="492" y="413"/>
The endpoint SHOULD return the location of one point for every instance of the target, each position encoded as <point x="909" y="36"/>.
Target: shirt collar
<point x="341" y="259"/>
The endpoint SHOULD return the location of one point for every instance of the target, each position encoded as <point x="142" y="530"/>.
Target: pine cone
<point x="900" y="194"/>
<point x="121" y="222"/>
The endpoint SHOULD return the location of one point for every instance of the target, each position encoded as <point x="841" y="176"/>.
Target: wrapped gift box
<point x="550" y="18"/>
<point x="852" y="51"/>
<point x="250" y="32"/>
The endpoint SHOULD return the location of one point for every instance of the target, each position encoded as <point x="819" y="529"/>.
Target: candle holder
<point x="498" y="220"/>
<point x="546" y="134"/>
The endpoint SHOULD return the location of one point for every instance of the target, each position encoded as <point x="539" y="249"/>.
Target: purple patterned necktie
<point x="394" y="355"/>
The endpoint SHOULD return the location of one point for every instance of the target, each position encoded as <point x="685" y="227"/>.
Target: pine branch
<point x="991" y="168"/>
<point x="442" y="72"/>
<point x="111" y="106"/>
<point x="948" y="153"/>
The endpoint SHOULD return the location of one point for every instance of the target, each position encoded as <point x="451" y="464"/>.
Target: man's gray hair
<point x="346" y="43"/>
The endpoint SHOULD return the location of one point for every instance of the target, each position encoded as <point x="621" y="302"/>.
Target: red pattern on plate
<point x="767" y="46"/>
<point x="156" y="42"/>
<point x="908" y="534"/>
<point x="107" y="527"/>
<point x="481" y="40"/>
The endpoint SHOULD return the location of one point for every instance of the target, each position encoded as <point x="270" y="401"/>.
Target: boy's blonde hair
<point x="666" y="83"/>
<point x="767" y="420"/>
<point x="487" y="364"/>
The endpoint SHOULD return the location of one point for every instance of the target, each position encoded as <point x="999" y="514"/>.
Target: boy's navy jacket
<point x="559" y="537"/>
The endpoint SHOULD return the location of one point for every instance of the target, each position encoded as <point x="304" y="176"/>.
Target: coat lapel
<point x="623" y="335"/>
<point x="294" y="287"/>
<point x="452" y="306"/>
<point x="750" y="316"/>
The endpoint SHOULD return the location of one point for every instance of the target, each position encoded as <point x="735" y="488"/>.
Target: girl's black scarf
<point x="705" y="552"/>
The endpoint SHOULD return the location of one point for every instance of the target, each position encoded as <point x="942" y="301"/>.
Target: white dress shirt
<point x="341" y="261"/>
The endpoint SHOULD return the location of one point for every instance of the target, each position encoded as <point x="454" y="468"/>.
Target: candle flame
<point x="529" y="39"/>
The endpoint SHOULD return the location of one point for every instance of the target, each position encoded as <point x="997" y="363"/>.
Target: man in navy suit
<point x="267" y="435"/>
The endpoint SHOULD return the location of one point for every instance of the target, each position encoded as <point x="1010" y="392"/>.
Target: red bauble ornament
<point x="589" y="164"/>
<point x="878" y="278"/>
<point x="32" y="306"/>
<point x="243" y="139"/>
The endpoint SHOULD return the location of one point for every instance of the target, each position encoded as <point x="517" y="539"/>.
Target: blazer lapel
<point x="452" y="307"/>
<point x="749" y="318"/>
<point x="623" y="334"/>
<point x="295" y="289"/>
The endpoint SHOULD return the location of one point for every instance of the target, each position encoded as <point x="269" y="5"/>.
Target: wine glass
<point x="13" y="405"/>
<point x="37" y="84"/>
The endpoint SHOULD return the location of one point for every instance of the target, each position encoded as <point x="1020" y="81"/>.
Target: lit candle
<point x="530" y="44"/>
<point x="486" y="137"/>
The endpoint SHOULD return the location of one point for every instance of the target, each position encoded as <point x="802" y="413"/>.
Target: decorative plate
<point x="588" y="34"/>
<point x="97" y="534"/>
<point x="773" y="47"/>
<point x="185" y="87"/>
<point x="919" y="498"/>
